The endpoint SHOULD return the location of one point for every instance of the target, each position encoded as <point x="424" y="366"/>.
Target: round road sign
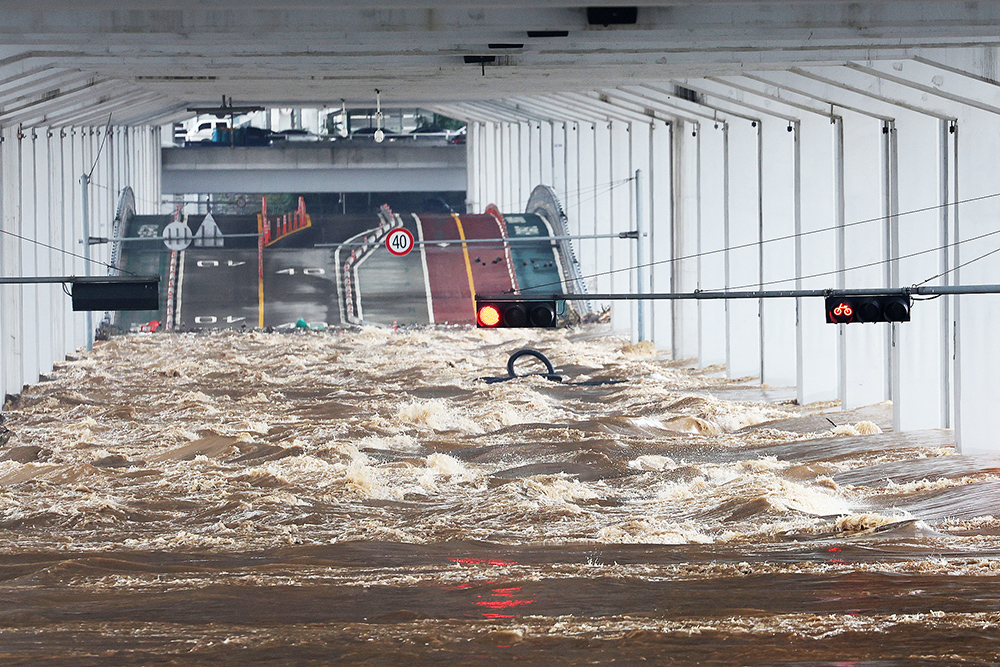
<point x="399" y="241"/>
<point x="176" y="236"/>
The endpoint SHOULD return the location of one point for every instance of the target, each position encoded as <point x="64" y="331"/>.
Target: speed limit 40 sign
<point x="399" y="241"/>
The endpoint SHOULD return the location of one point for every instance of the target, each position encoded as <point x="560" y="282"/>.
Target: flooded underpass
<point x="364" y="496"/>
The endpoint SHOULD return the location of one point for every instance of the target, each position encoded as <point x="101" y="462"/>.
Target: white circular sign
<point x="176" y="236"/>
<point x="399" y="241"/>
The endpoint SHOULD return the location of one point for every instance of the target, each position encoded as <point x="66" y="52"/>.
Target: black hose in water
<point x="529" y="353"/>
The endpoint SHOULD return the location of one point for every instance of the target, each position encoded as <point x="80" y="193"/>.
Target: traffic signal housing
<point x="515" y="313"/>
<point x="869" y="308"/>
<point x="116" y="293"/>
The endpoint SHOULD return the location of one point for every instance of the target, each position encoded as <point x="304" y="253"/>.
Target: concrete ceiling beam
<point x="755" y="106"/>
<point x="864" y="86"/>
<point x="783" y="95"/>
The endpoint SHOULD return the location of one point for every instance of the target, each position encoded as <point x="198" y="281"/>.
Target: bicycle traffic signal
<point x="504" y="314"/>
<point x="875" y="308"/>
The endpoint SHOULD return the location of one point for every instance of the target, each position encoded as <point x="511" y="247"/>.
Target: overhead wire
<point x="65" y="252"/>
<point x="797" y="235"/>
<point x="956" y="268"/>
<point x="100" y="149"/>
<point x="876" y="263"/>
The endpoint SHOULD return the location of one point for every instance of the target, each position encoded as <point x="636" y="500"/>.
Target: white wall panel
<point x="742" y="240"/>
<point x="523" y="159"/>
<point x="30" y="260"/>
<point x="816" y="259"/>
<point x="11" y="297"/>
<point x="863" y="366"/>
<point x="711" y="242"/>
<point x="50" y="297"/>
<point x="639" y="149"/>
<point x="977" y="316"/>
<point x="919" y="398"/>
<point x="778" y="257"/>
<point x="660" y="223"/>
<point x="587" y="202"/>
<point x="603" y="211"/>
<point x="686" y="213"/>
<point x="622" y="219"/>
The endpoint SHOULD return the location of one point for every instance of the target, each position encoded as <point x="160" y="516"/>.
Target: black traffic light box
<point x="116" y="293"/>
<point x="868" y="308"/>
<point x="509" y="314"/>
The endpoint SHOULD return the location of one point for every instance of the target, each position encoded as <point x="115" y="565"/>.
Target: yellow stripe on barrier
<point x="468" y="262"/>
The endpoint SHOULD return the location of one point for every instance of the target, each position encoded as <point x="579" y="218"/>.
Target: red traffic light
<point x="840" y="311"/>
<point x="488" y="316"/>
<point x="867" y="308"/>
<point x="510" y="314"/>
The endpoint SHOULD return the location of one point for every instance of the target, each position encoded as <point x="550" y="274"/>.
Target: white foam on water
<point x="652" y="462"/>
<point x="866" y="521"/>
<point x="860" y="428"/>
<point x="394" y="443"/>
<point x="436" y="414"/>
<point x="642" y="530"/>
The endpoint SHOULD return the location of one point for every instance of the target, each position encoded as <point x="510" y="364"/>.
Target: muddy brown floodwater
<point x="363" y="497"/>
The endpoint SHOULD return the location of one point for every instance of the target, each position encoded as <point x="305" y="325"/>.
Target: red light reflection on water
<point x="498" y="599"/>
<point x="481" y="561"/>
<point x="502" y="599"/>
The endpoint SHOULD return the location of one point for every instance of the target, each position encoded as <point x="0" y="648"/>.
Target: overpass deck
<point x="347" y="166"/>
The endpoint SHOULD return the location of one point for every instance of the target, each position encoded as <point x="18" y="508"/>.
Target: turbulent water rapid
<point x="366" y="497"/>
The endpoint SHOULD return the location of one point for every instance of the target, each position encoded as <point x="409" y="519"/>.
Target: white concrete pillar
<point x="559" y="159"/>
<point x="11" y="296"/>
<point x="570" y="196"/>
<point x="639" y="136"/>
<point x="545" y="142"/>
<point x="508" y="198"/>
<point x="622" y="219"/>
<point x="661" y="224"/>
<point x="492" y="178"/>
<point x="920" y="399"/>
<point x="603" y="211"/>
<point x="524" y="164"/>
<point x="30" y="252"/>
<point x="778" y="257"/>
<point x="50" y="297"/>
<point x="535" y="153"/>
<point x="687" y="224"/>
<point x="712" y="242"/>
<point x="863" y="351"/>
<point x="976" y="317"/>
<point x="473" y="198"/>
<point x="742" y="239"/>
<point x="587" y="204"/>
<point x="79" y="166"/>
<point x="816" y="341"/>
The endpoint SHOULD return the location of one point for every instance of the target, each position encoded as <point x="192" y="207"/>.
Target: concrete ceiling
<point x="147" y="61"/>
